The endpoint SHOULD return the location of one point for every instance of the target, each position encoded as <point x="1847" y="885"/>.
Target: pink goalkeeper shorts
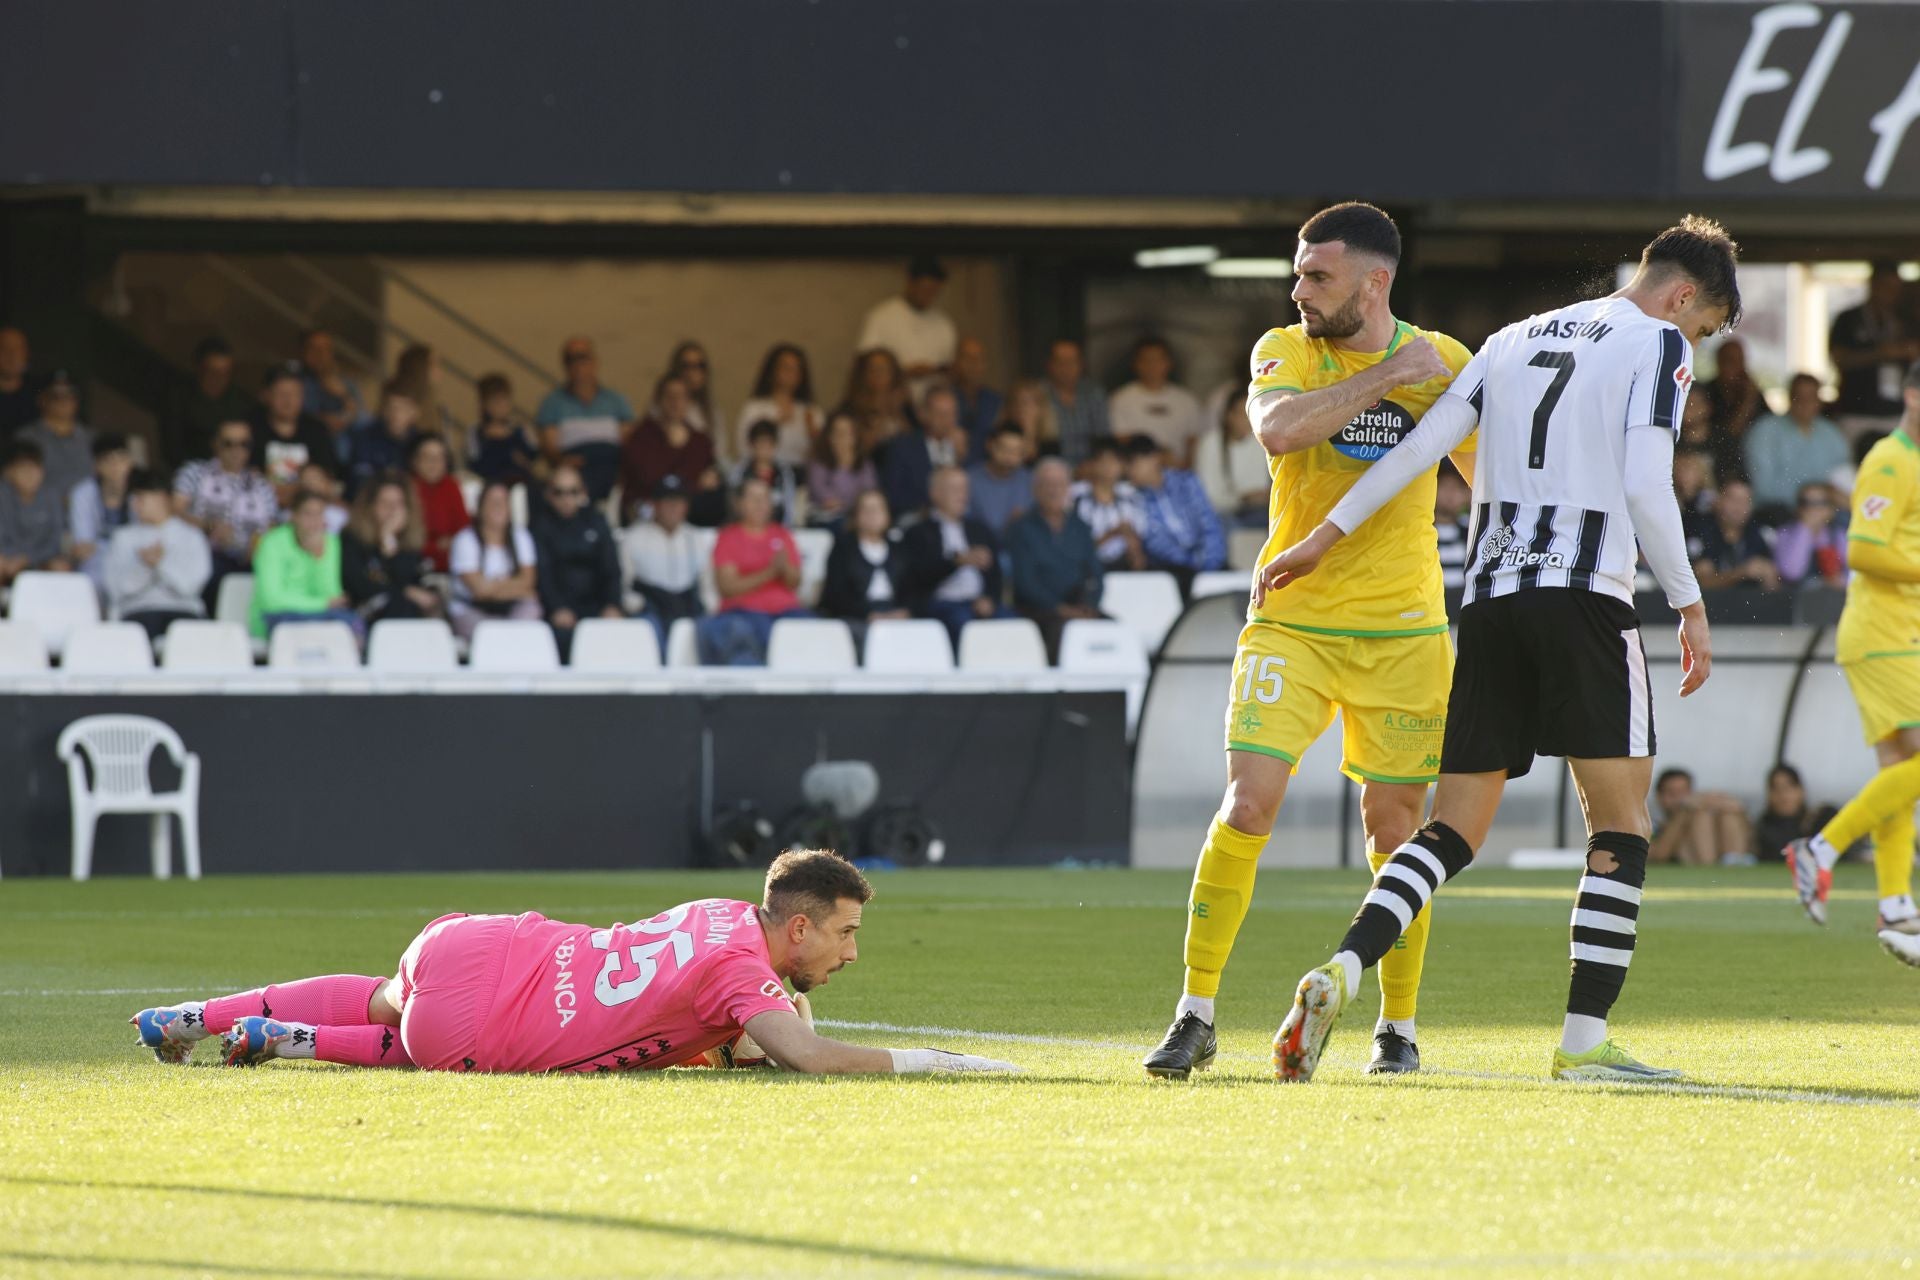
<point x="448" y="979"/>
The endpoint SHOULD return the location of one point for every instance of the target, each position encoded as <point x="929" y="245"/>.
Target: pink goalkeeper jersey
<point x="652" y="994"/>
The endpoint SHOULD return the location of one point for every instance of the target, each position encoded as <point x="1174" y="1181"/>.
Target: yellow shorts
<point x="1391" y="691"/>
<point x="1888" y="691"/>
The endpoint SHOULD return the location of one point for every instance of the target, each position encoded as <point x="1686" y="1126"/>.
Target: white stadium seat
<point x="683" y="643"/>
<point x="817" y="645"/>
<point x="235" y="602"/>
<point x="1002" y="644"/>
<point x="54" y="603"/>
<point x="108" y="649"/>
<point x="411" y="646"/>
<point x="1244" y="547"/>
<point x="1147" y="602"/>
<point x="1221" y="582"/>
<point x="313" y="646"/>
<point x="21" y="648"/>
<point x="197" y="645"/>
<point x="1097" y="645"/>
<point x="615" y="645"/>
<point x="815" y="546"/>
<point x="908" y="646"/>
<point x="517" y="645"/>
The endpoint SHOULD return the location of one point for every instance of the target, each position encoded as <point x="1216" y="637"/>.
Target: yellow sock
<point x="1400" y="968"/>
<point x="1893" y="854"/>
<point x="1222" y="889"/>
<point x="1893" y="791"/>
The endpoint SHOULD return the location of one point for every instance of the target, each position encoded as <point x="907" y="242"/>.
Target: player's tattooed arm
<point x="1302" y="419"/>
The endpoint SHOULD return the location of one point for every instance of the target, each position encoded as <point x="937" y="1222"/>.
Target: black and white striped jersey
<point x="1556" y="395"/>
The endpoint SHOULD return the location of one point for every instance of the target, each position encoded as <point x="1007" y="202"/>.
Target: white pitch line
<point x="1733" y="1091"/>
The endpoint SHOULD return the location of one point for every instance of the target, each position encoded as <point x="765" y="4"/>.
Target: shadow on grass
<point x="554" y="1217"/>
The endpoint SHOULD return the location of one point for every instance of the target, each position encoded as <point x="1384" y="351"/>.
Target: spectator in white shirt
<point x="493" y="563"/>
<point x="157" y="566"/>
<point x="100" y="504"/>
<point x="1155" y="406"/>
<point x="1232" y="466"/>
<point x="228" y="499"/>
<point x="782" y="395"/>
<point x="665" y="556"/>
<point x="913" y="327"/>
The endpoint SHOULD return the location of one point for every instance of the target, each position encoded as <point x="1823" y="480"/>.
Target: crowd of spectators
<point x="948" y="496"/>
<point x="1707" y="828"/>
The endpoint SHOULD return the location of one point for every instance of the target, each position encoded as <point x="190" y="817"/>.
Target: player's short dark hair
<point x="1105" y="444"/>
<point x="1141" y="447"/>
<point x="1149" y="342"/>
<point x="493" y="384"/>
<point x="1702" y="249"/>
<point x="301" y="497"/>
<point x="1356" y="224"/>
<point x="763" y="429"/>
<point x="147" y="480"/>
<point x="1793" y="383"/>
<point x="109" y="442"/>
<point x="811" y="883"/>
<point x="1668" y="775"/>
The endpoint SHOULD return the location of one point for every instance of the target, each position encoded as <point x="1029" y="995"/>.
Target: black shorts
<point x="1551" y="671"/>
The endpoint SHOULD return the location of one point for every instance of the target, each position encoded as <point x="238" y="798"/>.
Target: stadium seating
<point x="815" y="546"/>
<point x="313" y="647"/>
<point x="1091" y="646"/>
<point x="813" y="645"/>
<point x="21" y="648"/>
<point x="1147" y="602"/>
<point x="1244" y="547"/>
<point x="507" y="645"/>
<point x="200" y="646"/>
<point x="1221" y="582"/>
<point x="55" y="603"/>
<point x="235" y="600"/>
<point x="108" y="648"/>
<point x="908" y="646"/>
<point x="411" y="646"/>
<point x="615" y="646"/>
<point x="1002" y="644"/>
<point x="683" y="644"/>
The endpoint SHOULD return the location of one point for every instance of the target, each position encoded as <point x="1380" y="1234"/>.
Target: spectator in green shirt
<point x="296" y="571"/>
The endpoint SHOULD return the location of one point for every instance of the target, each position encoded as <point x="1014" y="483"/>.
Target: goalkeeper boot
<point x="170" y="1033"/>
<point x="1317" y="1005"/>
<point x="1393" y="1054"/>
<point x="1904" y="947"/>
<point x="1810" y="880"/>
<point x="1608" y="1061"/>
<point x="252" y="1041"/>
<point x="1190" y="1046"/>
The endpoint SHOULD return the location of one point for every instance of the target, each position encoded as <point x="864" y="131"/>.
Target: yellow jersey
<point x="1384" y="579"/>
<point x="1882" y="617"/>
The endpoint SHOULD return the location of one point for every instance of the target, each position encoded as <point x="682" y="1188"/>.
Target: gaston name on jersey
<point x="1383" y="580"/>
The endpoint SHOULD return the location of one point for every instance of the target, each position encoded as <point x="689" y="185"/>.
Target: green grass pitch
<point x="1795" y="1151"/>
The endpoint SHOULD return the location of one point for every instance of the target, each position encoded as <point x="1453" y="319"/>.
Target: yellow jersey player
<point x="1328" y="397"/>
<point x="1879" y="649"/>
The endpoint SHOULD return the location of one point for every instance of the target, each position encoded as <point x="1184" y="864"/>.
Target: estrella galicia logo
<point x="1373" y="431"/>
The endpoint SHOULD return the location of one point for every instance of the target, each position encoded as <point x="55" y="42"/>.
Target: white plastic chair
<point x="197" y="645"/>
<point x="908" y="646"/>
<point x="615" y="646"/>
<point x="411" y="646"/>
<point x="815" y="546"/>
<point x="313" y="646"/>
<point x="235" y="601"/>
<point x="1147" y="602"/>
<point x="683" y="643"/>
<point x="120" y="751"/>
<point x="1002" y="644"/>
<point x="108" y="649"/>
<point x="21" y="648"/>
<point x="1098" y="647"/>
<point x="513" y="645"/>
<point x="55" y="603"/>
<point x="815" y="645"/>
<point x="1221" y="582"/>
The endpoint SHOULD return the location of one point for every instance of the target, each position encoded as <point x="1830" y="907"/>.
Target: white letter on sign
<point x="1750" y="79"/>
<point x="1891" y="124"/>
<point x="1790" y="161"/>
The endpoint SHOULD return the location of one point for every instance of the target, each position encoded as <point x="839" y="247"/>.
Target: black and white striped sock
<point x="1435" y="855"/>
<point x="1606" y="919"/>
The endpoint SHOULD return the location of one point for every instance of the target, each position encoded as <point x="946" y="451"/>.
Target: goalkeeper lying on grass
<point x="525" y="993"/>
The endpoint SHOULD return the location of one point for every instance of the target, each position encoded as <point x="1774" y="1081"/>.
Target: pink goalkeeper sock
<point x="370" y="1046"/>
<point x="337" y="1000"/>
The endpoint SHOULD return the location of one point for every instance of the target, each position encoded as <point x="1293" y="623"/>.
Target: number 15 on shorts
<point x="1260" y="678"/>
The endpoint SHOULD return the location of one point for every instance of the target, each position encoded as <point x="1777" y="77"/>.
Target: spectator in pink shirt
<point x="756" y="566"/>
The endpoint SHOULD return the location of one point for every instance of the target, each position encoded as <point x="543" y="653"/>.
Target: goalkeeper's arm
<point x="791" y="1043"/>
